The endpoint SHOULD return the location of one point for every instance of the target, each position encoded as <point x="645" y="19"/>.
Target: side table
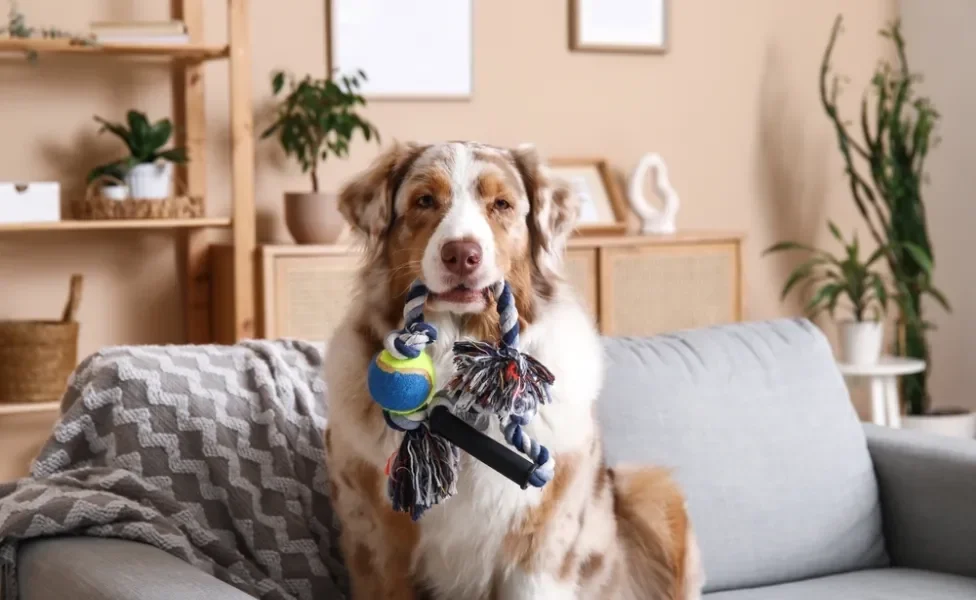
<point x="883" y="377"/>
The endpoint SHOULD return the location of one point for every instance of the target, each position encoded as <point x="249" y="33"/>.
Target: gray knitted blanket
<point x="212" y="454"/>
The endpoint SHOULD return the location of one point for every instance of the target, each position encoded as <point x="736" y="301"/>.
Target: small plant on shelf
<point x="848" y="280"/>
<point x="17" y="28"/>
<point x="315" y="119"/>
<point x="148" y="170"/>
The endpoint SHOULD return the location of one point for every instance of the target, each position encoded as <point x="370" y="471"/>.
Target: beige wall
<point x="733" y="108"/>
<point x="940" y="44"/>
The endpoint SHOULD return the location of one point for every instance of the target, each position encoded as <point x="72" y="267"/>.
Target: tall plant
<point x="894" y="143"/>
<point x="318" y="117"/>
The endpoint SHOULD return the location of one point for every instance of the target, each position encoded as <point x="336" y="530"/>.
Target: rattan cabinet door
<point x="582" y="274"/>
<point x="309" y="295"/>
<point x="653" y="289"/>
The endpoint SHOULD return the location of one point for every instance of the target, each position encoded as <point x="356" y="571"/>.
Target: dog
<point x="461" y="216"/>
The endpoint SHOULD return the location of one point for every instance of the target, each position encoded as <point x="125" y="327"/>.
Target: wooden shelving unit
<point x="24" y="408"/>
<point x="190" y="124"/>
<point x="118" y="224"/>
<point x="187" y="52"/>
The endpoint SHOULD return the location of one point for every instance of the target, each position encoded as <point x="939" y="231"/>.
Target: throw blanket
<point x="213" y="454"/>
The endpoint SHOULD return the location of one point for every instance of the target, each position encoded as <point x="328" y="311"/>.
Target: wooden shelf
<point x="22" y="408"/>
<point x="115" y="224"/>
<point x="189" y="52"/>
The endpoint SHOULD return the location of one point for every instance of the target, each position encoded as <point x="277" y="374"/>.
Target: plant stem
<point x="315" y="177"/>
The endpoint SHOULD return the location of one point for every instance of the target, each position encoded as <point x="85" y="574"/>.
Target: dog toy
<point x="401" y="378"/>
<point x="489" y="381"/>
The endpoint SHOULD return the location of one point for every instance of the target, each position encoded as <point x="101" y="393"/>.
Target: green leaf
<point x="940" y="298"/>
<point x="822" y="294"/>
<point x="176" y="155"/>
<point x="880" y="292"/>
<point x="920" y="256"/>
<point x="160" y="134"/>
<point x="835" y="231"/>
<point x="116" y="129"/>
<point x="779" y="247"/>
<point x="277" y="82"/>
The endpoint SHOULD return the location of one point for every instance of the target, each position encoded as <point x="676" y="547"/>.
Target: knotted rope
<point x="489" y="381"/>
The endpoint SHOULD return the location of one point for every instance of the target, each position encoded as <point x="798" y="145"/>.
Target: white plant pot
<point x="954" y="423"/>
<point x="861" y="342"/>
<point x="150" y="181"/>
<point x="115" y="192"/>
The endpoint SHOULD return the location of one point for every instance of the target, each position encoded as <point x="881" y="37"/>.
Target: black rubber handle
<point x="501" y="458"/>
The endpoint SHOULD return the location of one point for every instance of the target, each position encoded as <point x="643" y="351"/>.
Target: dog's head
<point x="460" y="217"/>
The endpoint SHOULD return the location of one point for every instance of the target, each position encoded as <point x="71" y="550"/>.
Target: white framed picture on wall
<point x="421" y="49"/>
<point x="627" y="26"/>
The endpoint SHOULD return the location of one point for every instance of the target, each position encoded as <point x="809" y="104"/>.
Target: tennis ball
<point x="401" y="386"/>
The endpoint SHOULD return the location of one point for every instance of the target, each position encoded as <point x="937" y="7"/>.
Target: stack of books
<point x="140" y="32"/>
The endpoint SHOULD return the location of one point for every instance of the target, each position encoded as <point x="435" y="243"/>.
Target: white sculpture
<point x="654" y="220"/>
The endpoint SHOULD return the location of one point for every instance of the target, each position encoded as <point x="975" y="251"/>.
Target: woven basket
<point x="38" y="357"/>
<point x="95" y="207"/>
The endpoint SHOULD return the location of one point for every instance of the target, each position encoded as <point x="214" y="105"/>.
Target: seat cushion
<point x="756" y="422"/>
<point x="877" y="584"/>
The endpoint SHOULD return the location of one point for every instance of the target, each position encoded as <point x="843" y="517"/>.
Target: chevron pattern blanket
<point x="213" y="454"/>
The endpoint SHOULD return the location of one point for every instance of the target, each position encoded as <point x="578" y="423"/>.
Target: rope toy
<point x="489" y="381"/>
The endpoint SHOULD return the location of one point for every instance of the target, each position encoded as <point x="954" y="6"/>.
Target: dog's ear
<point x="366" y="201"/>
<point x="554" y="207"/>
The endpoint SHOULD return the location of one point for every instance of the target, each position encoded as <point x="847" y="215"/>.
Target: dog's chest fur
<point x="465" y="544"/>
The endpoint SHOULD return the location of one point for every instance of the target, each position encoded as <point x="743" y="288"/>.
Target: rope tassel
<point x="423" y="472"/>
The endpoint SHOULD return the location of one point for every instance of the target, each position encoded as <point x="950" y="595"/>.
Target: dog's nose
<point x="461" y="257"/>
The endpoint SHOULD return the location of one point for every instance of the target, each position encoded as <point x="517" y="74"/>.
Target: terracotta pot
<point x="313" y="218"/>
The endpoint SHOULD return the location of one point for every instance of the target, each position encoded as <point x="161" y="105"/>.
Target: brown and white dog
<point x="462" y="216"/>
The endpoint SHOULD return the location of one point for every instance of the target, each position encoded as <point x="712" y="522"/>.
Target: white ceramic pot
<point x="150" y="181"/>
<point x="115" y="192"/>
<point x="313" y="218"/>
<point x="954" y="423"/>
<point x="861" y="342"/>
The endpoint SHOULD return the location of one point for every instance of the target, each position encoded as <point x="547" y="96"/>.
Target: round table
<point x="883" y="376"/>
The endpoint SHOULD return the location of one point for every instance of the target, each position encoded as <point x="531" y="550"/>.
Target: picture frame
<point x="603" y="210"/>
<point x="620" y="26"/>
<point x="382" y="37"/>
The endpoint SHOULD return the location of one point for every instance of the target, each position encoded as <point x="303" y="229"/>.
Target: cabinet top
<point x="603" y="241"/>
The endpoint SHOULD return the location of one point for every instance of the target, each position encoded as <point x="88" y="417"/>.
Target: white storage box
<point x="34" y="202"/>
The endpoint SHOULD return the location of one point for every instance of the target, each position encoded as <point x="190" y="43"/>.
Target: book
<point x="142" y="28"/>
<point x="143" y="39"/>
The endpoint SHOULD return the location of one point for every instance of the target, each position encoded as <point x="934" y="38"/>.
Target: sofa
<point x="791" y="496"/>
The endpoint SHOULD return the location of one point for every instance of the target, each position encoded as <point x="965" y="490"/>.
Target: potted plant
<point x="110" y="178"/>
<point x="885" y="167"/>
<point x="316" y="118"/>
<point x="849" y="279"/>
<point x="148" y="170"/>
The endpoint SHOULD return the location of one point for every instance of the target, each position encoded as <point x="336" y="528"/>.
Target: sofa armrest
<point x="927" y="486"/>
<point x="109" y="569"/>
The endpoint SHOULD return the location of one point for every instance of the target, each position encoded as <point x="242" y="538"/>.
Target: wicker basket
<point x="38" y="357"/>
<point x="95" y="207"/>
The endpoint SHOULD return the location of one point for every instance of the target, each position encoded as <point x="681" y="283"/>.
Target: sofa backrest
<point x="757" y="425"/>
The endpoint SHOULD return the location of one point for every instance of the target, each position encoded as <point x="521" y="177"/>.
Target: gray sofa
<point x="791" y="497"/>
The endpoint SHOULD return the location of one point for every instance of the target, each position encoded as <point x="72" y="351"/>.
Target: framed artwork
<point x="418" y="50"/>
<point x="631" y="26"/>
<point x="602" y="206"/>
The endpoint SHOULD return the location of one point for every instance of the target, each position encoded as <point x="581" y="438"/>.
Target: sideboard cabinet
<point x="631" y="285"/>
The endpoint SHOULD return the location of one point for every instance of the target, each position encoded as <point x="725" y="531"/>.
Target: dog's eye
<point x="425" y="201"/>
<point x="502" y="204"/>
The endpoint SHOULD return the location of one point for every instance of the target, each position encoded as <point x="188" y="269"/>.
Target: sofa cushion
<point x="880" y="584"/>
<point x="756" y="422"/>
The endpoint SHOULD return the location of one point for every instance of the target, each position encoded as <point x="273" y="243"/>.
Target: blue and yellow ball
<point x="401" y="386"/>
